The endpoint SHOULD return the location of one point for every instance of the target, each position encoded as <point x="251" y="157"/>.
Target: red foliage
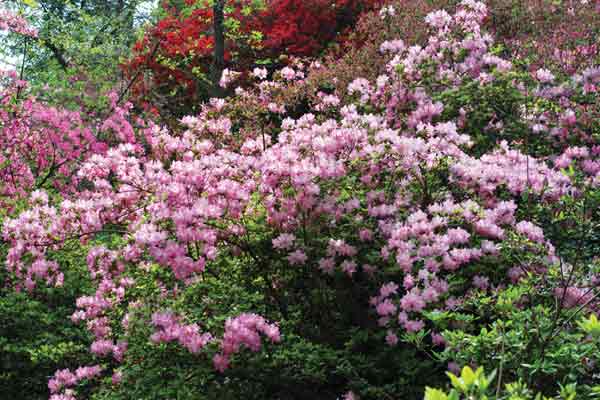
<point x="302" y="28"/>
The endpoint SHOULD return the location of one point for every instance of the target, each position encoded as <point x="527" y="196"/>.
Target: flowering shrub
<point x="40" y="144"/>
<point x="444" y="211"/>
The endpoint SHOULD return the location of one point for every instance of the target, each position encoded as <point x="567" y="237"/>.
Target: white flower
<point x="260" y="73"/>
<point x="388" y="11"/>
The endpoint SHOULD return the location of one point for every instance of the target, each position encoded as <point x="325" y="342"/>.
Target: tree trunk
<point x="219" y="55"/>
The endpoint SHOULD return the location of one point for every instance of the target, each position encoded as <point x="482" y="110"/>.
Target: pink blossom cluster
<point x="427" y="250"/>
<point x="572" y="296"/>
<point x="585" y="158"/>
<point x="227" y="77"/>
<point x="41" y="145"/>
<point x="243" y="330"/>
<point x="10" y="21"/>
<point x="513" y="170"/>
<point x="65" y="379"/>
<point x="169" y="329"/>
<point x="195" y="189"/>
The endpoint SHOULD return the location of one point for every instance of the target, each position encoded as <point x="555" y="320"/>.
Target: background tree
<point x="74" y="60"/>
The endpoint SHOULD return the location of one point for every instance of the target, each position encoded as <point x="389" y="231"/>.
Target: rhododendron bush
<point x="442" y="215"/>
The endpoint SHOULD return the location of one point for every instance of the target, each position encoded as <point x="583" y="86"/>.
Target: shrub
<point x="444" y="211"/>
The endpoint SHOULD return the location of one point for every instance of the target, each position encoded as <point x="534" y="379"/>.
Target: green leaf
<point x="435" y="394"/>
<point x="456" y="382"/>
<point x="468" y="376"/>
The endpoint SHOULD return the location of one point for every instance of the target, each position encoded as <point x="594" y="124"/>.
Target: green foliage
<point x="74" y="61"/>
<point x="474" y="385"/>
<point x="37" y="336"/>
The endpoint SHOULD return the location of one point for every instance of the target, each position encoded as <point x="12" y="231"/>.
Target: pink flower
<point x="327" y="265"/>
<point x="481" y="282"/>
<point x="544" y="75"/>
<point x="220" y="362"/>
<point x="430" y="294"/>
<point x="260" y="73"/>
<point x="365" y="235"/>
<point x="102" y="347"/>
<point x="284" y="241"/>
<point x="288" y="73"/>
<point x="531" y="231"/>
<point x="117" y="377"/>
<point x="227" y="77"/>
<point x="437" y="339"/>
<point x="409" y="282"/>
<point x="297" y="257"/>
<point x="414" y="326"/>
<point x="388" y="289"/>
<point x="386" y="308"/>
<point x="349" y="267"/>
<point x="393" y="46"/>
<point x="391" y="339"/>
<point x="412" y="301"/>
<point x="438" y="19"/>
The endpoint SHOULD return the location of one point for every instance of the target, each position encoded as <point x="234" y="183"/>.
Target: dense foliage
<point x="425" y="197"/>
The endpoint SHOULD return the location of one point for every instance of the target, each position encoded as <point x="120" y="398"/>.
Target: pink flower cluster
<point x="572" y="296"/>
<point x="65" y="379"/>
<point x="10" y="21"/>
<point x="41" y="145"/>
<point x="513" y="170"/>
<point x="243" y="330"/>
<point x="169" y="329"/>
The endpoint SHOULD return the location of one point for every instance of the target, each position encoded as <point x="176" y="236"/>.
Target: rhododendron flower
<point x="13" y="22"/>
<point x="327" y="265"/>
<point x="391" y="339"/>
<point x="117" y="377"/>
<point x="544" y="75"/>
<point x="412" y="301"/>
<point x="386" y="308"/>
<point x="220" y="362"/>
<point x="297" y="257"/>
<point x="288" y="73"/>
<point x="392" y="46"/>
<point x="438" y="19"/>
<point x="349" y="267"/>
<point x="285" y="241"/>
<point x="438" y="339"/>
<point x="227" y="77"/>
<point x="531" y="231"/>
<point x="414" y="326"/>
<point x="480" y="282"/>
<point x="260" y="73"/>
<point x="408" y="282"/>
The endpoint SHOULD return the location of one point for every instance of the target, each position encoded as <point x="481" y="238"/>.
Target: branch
<point x="137" y="74"/>
<point x="57" y="53"/>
